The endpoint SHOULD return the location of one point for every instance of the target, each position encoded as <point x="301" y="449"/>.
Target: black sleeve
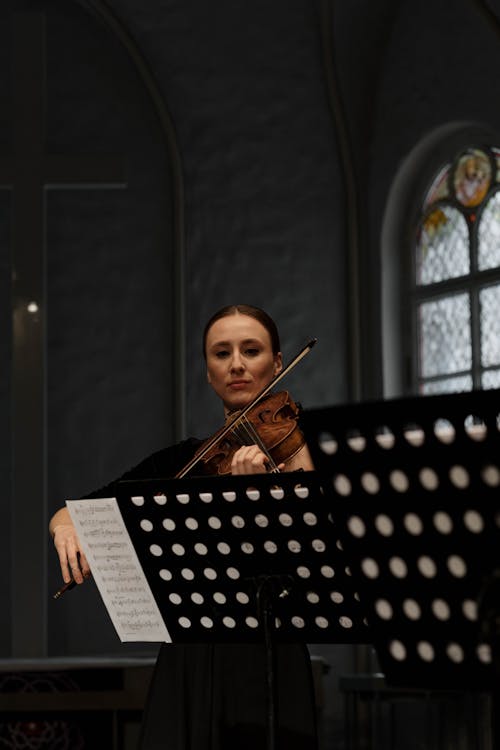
<point x="164" y="463"/>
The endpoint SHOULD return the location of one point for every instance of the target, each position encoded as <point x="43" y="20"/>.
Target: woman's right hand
<point x="74" y="565"/>
<point x="249" y="459"/>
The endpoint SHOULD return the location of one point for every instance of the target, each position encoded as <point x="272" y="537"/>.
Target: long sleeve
<point x="164" y="463"/>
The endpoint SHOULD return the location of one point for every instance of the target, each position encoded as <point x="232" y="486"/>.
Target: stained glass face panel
<point x="488" y="253"/>
<point x="489" y="300"/>
<point x="447" y="385"/>
<point x="472" y="177"/>
<point x="443" y="247"/>
<point x="445" y="335"/>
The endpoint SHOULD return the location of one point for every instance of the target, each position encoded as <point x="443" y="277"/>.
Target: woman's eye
<point x="222" y="354"/>
<point x="252" y="352"/>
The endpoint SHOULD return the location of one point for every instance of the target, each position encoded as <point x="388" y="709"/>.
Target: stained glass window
<point x="456" y="289"/>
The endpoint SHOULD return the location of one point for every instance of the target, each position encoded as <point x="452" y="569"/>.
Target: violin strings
<point x="248" y="431"/>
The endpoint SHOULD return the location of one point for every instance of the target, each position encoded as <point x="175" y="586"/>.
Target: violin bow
<point x="242" y="414"/>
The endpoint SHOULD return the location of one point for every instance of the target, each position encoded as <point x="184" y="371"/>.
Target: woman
<point x="212" y="697"/>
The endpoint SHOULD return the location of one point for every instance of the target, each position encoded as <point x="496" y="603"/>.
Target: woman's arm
<point x="163" y="463"/>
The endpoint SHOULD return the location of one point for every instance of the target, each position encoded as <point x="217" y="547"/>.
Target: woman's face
<point x="240" y="359"/>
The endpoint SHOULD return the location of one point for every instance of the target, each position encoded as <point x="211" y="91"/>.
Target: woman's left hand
<point x="249" y="459"/>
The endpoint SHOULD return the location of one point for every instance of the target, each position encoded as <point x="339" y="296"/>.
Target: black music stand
<point x="415" y="485"/>
<point x="243" y="559"/>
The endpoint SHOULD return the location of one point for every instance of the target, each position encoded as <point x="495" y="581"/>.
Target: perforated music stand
<point x="415" y="487"/>
<point x="245" y="560"/>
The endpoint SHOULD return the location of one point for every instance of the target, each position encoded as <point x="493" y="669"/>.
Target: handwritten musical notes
<point x="117" y="571"/>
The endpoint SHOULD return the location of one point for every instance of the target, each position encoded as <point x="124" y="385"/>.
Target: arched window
<point x="455" y="294"/>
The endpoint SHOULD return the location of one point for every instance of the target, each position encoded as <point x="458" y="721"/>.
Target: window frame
<point x="402" y="214"/>
<point x="471" y="283"/>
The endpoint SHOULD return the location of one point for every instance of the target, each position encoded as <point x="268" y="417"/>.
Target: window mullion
<point x="475" y="335"/>
<point x="475" y="309"/>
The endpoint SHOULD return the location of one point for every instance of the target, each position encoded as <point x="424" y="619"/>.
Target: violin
<point x="270" y="423"/>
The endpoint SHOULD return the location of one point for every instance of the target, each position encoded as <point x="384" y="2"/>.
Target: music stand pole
<point x="269" y="588"/>
<point x="265" y="610"/>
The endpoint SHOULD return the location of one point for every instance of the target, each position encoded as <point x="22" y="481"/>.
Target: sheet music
<point x="117" y="571"/>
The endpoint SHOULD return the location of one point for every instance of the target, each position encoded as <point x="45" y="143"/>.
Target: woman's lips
<point x="237" y="385"/>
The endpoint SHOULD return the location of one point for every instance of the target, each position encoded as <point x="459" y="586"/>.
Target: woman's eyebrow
<point x="245" y="342"/>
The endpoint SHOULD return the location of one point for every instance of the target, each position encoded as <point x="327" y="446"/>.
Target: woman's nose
<point x="236" y="362"/>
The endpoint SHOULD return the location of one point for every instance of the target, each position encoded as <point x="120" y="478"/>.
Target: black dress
<point x="213" y="696"/>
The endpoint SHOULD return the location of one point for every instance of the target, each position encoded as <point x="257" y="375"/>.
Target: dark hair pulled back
<point x="253" y="312"/>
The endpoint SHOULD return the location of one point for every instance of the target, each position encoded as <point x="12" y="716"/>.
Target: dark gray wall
<point x="245" y="152"/>
<point x="262" y="209"/>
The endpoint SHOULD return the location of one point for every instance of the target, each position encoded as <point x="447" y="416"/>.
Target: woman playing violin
<point x="212" y="697"/>
<point x="242" y="351"/>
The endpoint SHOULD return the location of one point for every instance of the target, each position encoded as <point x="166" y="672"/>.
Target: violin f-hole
<point x="262" y="414"/>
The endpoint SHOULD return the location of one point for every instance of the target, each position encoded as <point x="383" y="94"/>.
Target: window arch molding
<point x="401" y="216"/>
